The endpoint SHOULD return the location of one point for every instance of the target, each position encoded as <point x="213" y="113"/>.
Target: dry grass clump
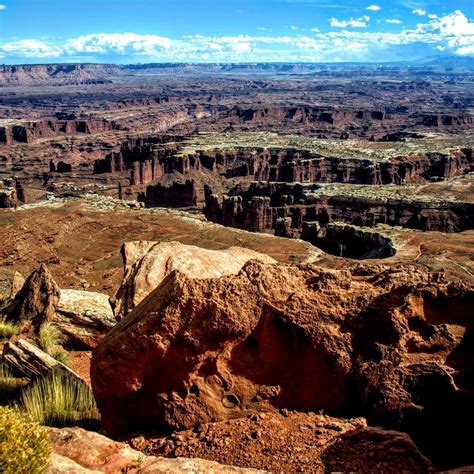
<point x="7" y="329"/>
<point x="59" y="400"/>
<point x="50" y="339"/>
<point x="24" y="445"/>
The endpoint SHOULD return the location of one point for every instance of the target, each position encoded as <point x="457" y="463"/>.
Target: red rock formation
<point x="375" y="341"/>
<point x="290" y="165"/>
<point x="262" y="205"/>
<point x="176" y="195"/>
<point x="48" y="74"/>
<point x="31" y="131"/>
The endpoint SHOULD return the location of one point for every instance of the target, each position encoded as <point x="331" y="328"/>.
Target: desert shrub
<point x="7" y="329"/>
<point x="58" y="399"/>
<point x="9" y="385"/>
<point x="61" y="356"/>
<point x="50" y="337"/>
<point x="24" y="445"/>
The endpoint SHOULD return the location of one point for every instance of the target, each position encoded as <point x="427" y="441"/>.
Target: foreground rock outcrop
<point x="387" y="343"/>
<point x="79" y="451"/>
<point x="35" y="303"/>
<point x="83" y="316"/>
<point x="146" y="264"/>
<point x="30" y="362"/>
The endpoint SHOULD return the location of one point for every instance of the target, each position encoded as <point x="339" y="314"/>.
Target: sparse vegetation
<point x="24" y="445"/>
<point x="7" y="329"/>
<point x="9" y="385"/>
<point x="59" y="400"/>
<point x="62" y="356"/>
<point x="49" y="338"/>
<point x="349" y="149"/>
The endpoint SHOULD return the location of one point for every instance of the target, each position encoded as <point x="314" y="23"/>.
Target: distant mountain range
<point x="61" y="74"/>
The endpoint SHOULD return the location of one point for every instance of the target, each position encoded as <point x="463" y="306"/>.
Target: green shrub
<point x="50" y="337"/>
<point x="24" y="446"/>
<point x="59" y="400"/>
<point x="7" y="329"/>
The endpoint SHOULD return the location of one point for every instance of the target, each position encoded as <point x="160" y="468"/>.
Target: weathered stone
<point x="146" y="264"/>
<point x="84" y="316"/>
<point x="18" y="281"/>
<point x="29" y="361"/>
<point x="100" y="454"/>
<point x="272" y="337"/>
<point x="35" y="303"/>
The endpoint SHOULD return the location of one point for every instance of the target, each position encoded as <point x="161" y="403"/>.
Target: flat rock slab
<point x="84" y="316"/>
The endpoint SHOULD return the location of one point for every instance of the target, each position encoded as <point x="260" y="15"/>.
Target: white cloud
<point x="453" y="33"/>
<point x="352" y="23"/>
<point x="419" y="12"/>
<point x="455" y="24"/>
<point x="120" y="43"/>
<point x="3" y="7"/>
<point x="432" y="16"/>
<point x="394" y="21"/>
<point x="374" y="8"/>
<point x="293" y="28"/>
<point x="31" y="49"/>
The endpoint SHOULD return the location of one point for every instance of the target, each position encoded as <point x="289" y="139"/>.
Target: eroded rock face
<point x="36" y="302"/>
<point x="373" y="340"/>
<point x="85" y="451"/>
<point x="146" y="264"/>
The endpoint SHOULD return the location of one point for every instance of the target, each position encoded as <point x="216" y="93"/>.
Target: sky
<point x="141" y="31"/>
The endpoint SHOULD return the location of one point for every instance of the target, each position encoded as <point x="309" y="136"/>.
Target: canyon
<point x="253" y="267"/>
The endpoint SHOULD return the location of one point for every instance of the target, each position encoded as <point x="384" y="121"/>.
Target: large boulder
<point x="146" y="264"/>
<point x="299" y="337"/>
<point x="197" y="350"/>
<point x="35" y="303"/>
<point x="84" y="316"/>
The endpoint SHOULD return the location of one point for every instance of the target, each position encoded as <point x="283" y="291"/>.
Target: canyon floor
<point x="328" y="329"/>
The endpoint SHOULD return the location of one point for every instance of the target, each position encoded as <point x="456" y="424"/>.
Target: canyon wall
<point x="264" y="206"/>
<point x="176" y="195"/>
<point x="26" y="132"/>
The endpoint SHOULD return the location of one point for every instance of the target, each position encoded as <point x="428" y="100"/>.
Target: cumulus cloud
<point x="419" y="12"/>
<point x="394" y="21"/>
<point x="352" y="23"/>
<point x="30" y="49"/>
<point x="3" y="7"/>
<point x="373" y="8"/>
<point x="452" y="34"/>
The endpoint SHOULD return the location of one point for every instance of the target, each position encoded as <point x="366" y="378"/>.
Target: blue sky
<point x="133" y="31"/>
